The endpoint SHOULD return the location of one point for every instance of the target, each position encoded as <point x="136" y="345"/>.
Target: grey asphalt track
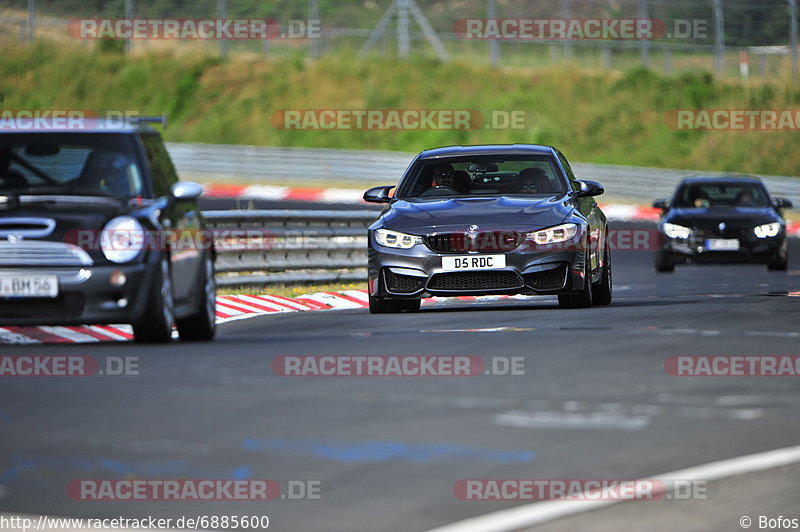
<point x="594" y="402"/>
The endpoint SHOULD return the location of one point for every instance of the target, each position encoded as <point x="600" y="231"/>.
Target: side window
<point x="163" y="171"/>
<point x="570" y="174"/>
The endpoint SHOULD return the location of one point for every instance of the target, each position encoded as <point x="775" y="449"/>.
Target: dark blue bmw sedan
<point x="485" y="220"/>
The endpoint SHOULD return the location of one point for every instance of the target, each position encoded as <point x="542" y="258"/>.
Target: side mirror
<point x="186" y="191"/>
<point x="661" y="204"/>
<point x="589" y="188"/>
<point x="378" y="194"/>
<point x="782" y="203"/>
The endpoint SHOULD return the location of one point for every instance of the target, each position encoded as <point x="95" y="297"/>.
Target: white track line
<point x="537" y="513"/>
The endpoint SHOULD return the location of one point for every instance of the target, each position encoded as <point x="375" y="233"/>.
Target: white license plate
<point x="473" y="262"/>
<point x="29" y="286"/>
<point x="722" y="244"/>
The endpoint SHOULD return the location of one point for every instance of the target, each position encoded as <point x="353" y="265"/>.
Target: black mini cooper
<point x="95" y="228"/>
<point x="482" y="220"/>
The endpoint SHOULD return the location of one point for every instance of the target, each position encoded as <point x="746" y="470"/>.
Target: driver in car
<point x="443" y="183"/>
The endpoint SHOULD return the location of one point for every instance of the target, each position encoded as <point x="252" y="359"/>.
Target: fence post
<point x="719" y="38"/>
<point x="31" y="20"/>
<point x="793" y="35"/>
<point x="605" y="52"/>
<point x="494" y="46"/>
<point x="221" y="14"/>
<point x="644" y="44"/>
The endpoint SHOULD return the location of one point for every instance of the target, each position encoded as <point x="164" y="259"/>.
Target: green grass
<point x="592" y="115"/>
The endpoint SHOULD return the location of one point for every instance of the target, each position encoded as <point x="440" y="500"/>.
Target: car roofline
<point x="486" y="149"/>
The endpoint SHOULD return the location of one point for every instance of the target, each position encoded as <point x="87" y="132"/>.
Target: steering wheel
<point x="440" y="190"/>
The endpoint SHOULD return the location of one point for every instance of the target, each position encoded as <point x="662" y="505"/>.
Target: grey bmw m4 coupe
<point x="487" y="220"/>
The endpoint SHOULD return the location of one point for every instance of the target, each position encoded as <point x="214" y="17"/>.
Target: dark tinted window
<point x="70" y="163"/>
<point x="164" y="175"/>
<point x="483" y="175"/>
<point x="706" y="195"/>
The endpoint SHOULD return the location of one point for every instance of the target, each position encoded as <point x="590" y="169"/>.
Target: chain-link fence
<point x="730" y="37"/>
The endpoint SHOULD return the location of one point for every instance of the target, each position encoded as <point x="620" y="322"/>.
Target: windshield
<point x="483" y="176"/>
<point x="711" y="195"/>
<point x="85" y="163"/>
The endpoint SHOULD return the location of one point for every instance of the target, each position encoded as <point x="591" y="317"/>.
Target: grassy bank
<point x="593" y="116"/>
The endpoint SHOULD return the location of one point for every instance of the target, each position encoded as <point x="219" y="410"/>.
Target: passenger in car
<point x="533" y="181"/>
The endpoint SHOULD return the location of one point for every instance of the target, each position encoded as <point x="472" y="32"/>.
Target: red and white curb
<point x="615" y="212"/>
<point x="229" y="308"/>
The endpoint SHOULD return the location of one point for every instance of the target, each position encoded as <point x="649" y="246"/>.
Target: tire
<point x="159" y="314"/>
<point x="582" y="299"/>
<point x="602" y="292"/>
<point x="202" y="325"/>
<point x="392" y="306"/>
<point x="664" y="263"/>
<point x="778" y="263"/>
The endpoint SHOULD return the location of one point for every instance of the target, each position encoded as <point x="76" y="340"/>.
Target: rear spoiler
<point x="162" y="120"/>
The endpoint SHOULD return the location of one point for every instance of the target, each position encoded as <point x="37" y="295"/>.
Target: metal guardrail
<point x="289" y="247"/>
<point x="265" y="165"/>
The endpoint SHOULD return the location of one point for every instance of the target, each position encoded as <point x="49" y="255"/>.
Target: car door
<point x="588" y="207"/>
<point x="182" y="218"/>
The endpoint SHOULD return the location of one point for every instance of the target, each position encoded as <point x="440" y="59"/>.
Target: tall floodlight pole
<point x="31" y="20"/>
<point x="128" y="15"/>
<point x="404" y="8"/>
<point x="719" y="38"/>
<point x="313" y="18"/>
<point x="494" y="46"/>
<point x="644" y="43"/>
<point x="403" y="38"/>
<point x="222" y="14"/>
<point x="793" y="35"/>
<point x="565" y="15"/>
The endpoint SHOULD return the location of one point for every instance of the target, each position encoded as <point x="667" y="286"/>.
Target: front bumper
<point x="751" y="250"/>
<point x="85" y="296"/>
<point x="417" y="273"/>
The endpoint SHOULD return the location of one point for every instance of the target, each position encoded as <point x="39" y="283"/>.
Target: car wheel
<point x="391" y="306"/>
<point x="202" y="325"/>
<point x="664" y="263"/>
<point x="159" y="313"/>
<point x="582" y="299"/>
<point x="602" y="292"/>
<point x="779" y="263"/>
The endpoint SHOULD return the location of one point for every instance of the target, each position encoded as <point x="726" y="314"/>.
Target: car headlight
<point x="553" y="235"/>
<point x="767" y="230"/>
<point x="677" y="231"/>
<point x="122" y="239"/>
<point x="395" y="239"/>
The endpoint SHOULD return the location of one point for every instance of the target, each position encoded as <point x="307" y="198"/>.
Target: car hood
<point x="732" y="216"/>
<point x="488" y="213"/>
<point x="69" y="212"/>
